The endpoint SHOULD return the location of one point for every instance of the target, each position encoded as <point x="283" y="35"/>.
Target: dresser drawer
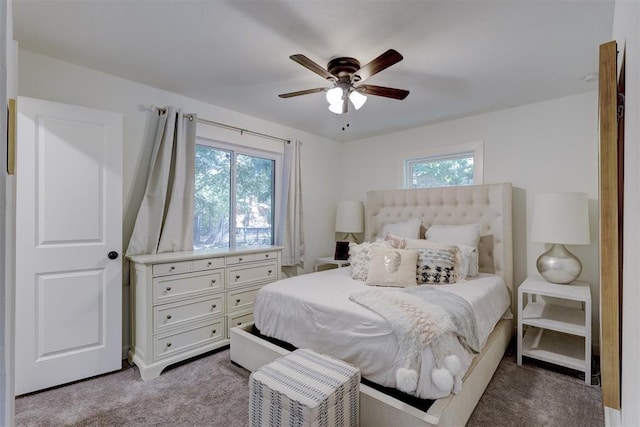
<point x="174" y="314"/>
<point x="241" y="299"/>
<point x="244" y="258"/>
<point x="171" y="268"/>
<point x="207" y="263"/>
<point x="254" y="273"/>
<point x="168" y="345"/>
<point x="169" y="288"/>
<point x="238" y="320"/>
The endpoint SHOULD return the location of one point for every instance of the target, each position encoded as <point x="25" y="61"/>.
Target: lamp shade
<point x="350" y="217"/>
<point x="561" y="218"/>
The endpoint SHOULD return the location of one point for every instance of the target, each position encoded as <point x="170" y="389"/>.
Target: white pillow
<point x="409" y="229"/>
<point x="392" y="267"/>
<point x="467" y="234"/>
<point x="466" y="237"/>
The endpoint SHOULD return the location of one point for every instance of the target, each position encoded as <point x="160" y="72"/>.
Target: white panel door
<point x="68" y="219"/>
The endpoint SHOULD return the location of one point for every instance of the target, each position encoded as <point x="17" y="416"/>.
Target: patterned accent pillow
<point x="398" y="242"/>
<point x="360" y="257"/>
<point x="436" y="266"/>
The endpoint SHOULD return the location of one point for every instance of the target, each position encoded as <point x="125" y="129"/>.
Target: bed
<point x="314" y="299"/>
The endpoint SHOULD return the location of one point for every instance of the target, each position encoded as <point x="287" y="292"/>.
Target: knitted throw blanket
<point x="423" y="316"/>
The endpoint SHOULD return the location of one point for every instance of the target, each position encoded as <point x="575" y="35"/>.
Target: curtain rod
<point x="225" y="126"/>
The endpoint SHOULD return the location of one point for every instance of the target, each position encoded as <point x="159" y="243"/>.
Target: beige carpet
<point x="211" y="391"/>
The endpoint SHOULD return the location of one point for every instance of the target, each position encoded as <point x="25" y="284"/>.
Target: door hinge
<point x="620" y="105"/>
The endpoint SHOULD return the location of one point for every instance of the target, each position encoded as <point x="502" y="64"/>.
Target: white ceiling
<point x="461" y="57"/>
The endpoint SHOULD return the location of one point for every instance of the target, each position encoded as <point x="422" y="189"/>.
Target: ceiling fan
<point x="345" y="73"/>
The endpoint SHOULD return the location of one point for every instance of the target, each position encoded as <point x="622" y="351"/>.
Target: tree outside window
<point x="230" y="184"/>
<point x="441" y="171"/>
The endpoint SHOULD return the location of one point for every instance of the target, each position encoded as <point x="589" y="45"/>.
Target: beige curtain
<point x="291" y="232"/>
<point x="165" y="218"/>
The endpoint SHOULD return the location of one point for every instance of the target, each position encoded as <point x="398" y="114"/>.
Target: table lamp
<point x="350" y="219"/>
<point x="559" y="219"/>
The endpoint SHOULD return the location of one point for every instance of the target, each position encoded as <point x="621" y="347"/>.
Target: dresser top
<point x="199" y="254"/>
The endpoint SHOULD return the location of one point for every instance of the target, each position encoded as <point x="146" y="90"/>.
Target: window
<point x="443" y="170"/>
<point x="234" y="196"/>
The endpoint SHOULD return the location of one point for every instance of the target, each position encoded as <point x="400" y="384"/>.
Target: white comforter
<point x="314" y="311"/>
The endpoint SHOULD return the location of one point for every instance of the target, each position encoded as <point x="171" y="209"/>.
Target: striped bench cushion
<point x="304" y="388"/>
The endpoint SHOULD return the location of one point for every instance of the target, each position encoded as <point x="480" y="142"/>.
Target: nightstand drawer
<point x="179" y="341"/>
<point x="171" y="268"/>
<point x="166" y="316"/>
<point x="170" y="288"/>
<point x="207" y="263"/>
<point x="242" y="298"/>
<point x="244" y="275"/>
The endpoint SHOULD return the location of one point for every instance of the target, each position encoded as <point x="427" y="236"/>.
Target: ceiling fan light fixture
<point x="336" y="107"/>
<point x="334" y="96"/>
<point x="357" y="99"/>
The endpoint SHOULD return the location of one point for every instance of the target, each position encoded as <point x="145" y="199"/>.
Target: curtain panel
<point x="165" y="218"/>
<point x="291" y="233"/>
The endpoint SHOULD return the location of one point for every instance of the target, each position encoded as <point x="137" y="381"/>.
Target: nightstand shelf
<point x="554" y="347"/>
<point x="555" y="333"/>
<point x="330" y="261"/>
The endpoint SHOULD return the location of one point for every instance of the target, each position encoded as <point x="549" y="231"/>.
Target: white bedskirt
<point x="314" y="311"/>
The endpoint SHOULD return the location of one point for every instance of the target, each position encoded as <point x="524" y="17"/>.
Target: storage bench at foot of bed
<point x="378" y="409"/>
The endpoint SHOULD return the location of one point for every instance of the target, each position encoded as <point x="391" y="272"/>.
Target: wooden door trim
<point x="609" y="254"/>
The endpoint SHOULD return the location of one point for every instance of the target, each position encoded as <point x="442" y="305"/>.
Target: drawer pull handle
<point x="168" y="288"/>
<point x="239" y="323"/>
<point x="240" y="259"/>
<point x="209" y="264"/>
<point x="172" y="268"/>
<point x="266" y="255"/>
<point x="269" y="272"/>
<point x="213" y="332"/>
<point x="237" y="276"/>
<point x="237" y="301"/>
<point x="213" y="305"/>
<point x="168" y="317"/>
<point x="213" y="281"/>
<point x="168" y="344"/>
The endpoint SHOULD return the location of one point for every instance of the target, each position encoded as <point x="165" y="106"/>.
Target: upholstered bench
<point x="304" y="388"/>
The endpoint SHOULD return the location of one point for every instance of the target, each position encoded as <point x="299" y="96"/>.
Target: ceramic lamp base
<point x="558" y="265"/>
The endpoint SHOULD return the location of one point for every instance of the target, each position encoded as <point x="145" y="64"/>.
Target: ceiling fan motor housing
<point x="343" y="68"/>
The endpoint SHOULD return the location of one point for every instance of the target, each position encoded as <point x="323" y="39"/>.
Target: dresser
<point x="184" y="303"/>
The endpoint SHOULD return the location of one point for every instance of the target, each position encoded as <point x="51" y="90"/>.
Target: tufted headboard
<point x="487" y="205"/>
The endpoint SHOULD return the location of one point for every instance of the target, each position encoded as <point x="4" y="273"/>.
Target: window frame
<point x="474" y="149"/>
<point x="236" y="149"/>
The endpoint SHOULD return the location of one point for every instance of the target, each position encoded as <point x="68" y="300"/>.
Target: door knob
<point x="112" y="255"/>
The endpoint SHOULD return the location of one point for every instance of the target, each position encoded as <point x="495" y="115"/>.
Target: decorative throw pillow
<point x="409" y="229"/>
<point x="468" y="260"/>
<point x="392" y="267"/>
<point x="461" y="264"/>
<point x="436" y="265"/>
<point x="397" y="241"/>
<point x="360" y="257"/>
<point x="461" y="236"/>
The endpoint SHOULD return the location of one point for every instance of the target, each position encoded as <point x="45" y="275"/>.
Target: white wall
<point x="5" y="36"/>
<point x="626" y="32"/>
<point x="51" y="79"/>
<point x="547" y="146"/>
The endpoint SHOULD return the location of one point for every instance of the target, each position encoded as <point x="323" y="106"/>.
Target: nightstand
<point x="555" y="333"/>
<point x="329" y="260"/>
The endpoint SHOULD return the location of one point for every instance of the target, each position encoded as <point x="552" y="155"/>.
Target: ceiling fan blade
<point x="302" y="92"/>
<point x="383" y="61"/>
<point x="309" y="64"/>
<point x="387" y="92"/>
